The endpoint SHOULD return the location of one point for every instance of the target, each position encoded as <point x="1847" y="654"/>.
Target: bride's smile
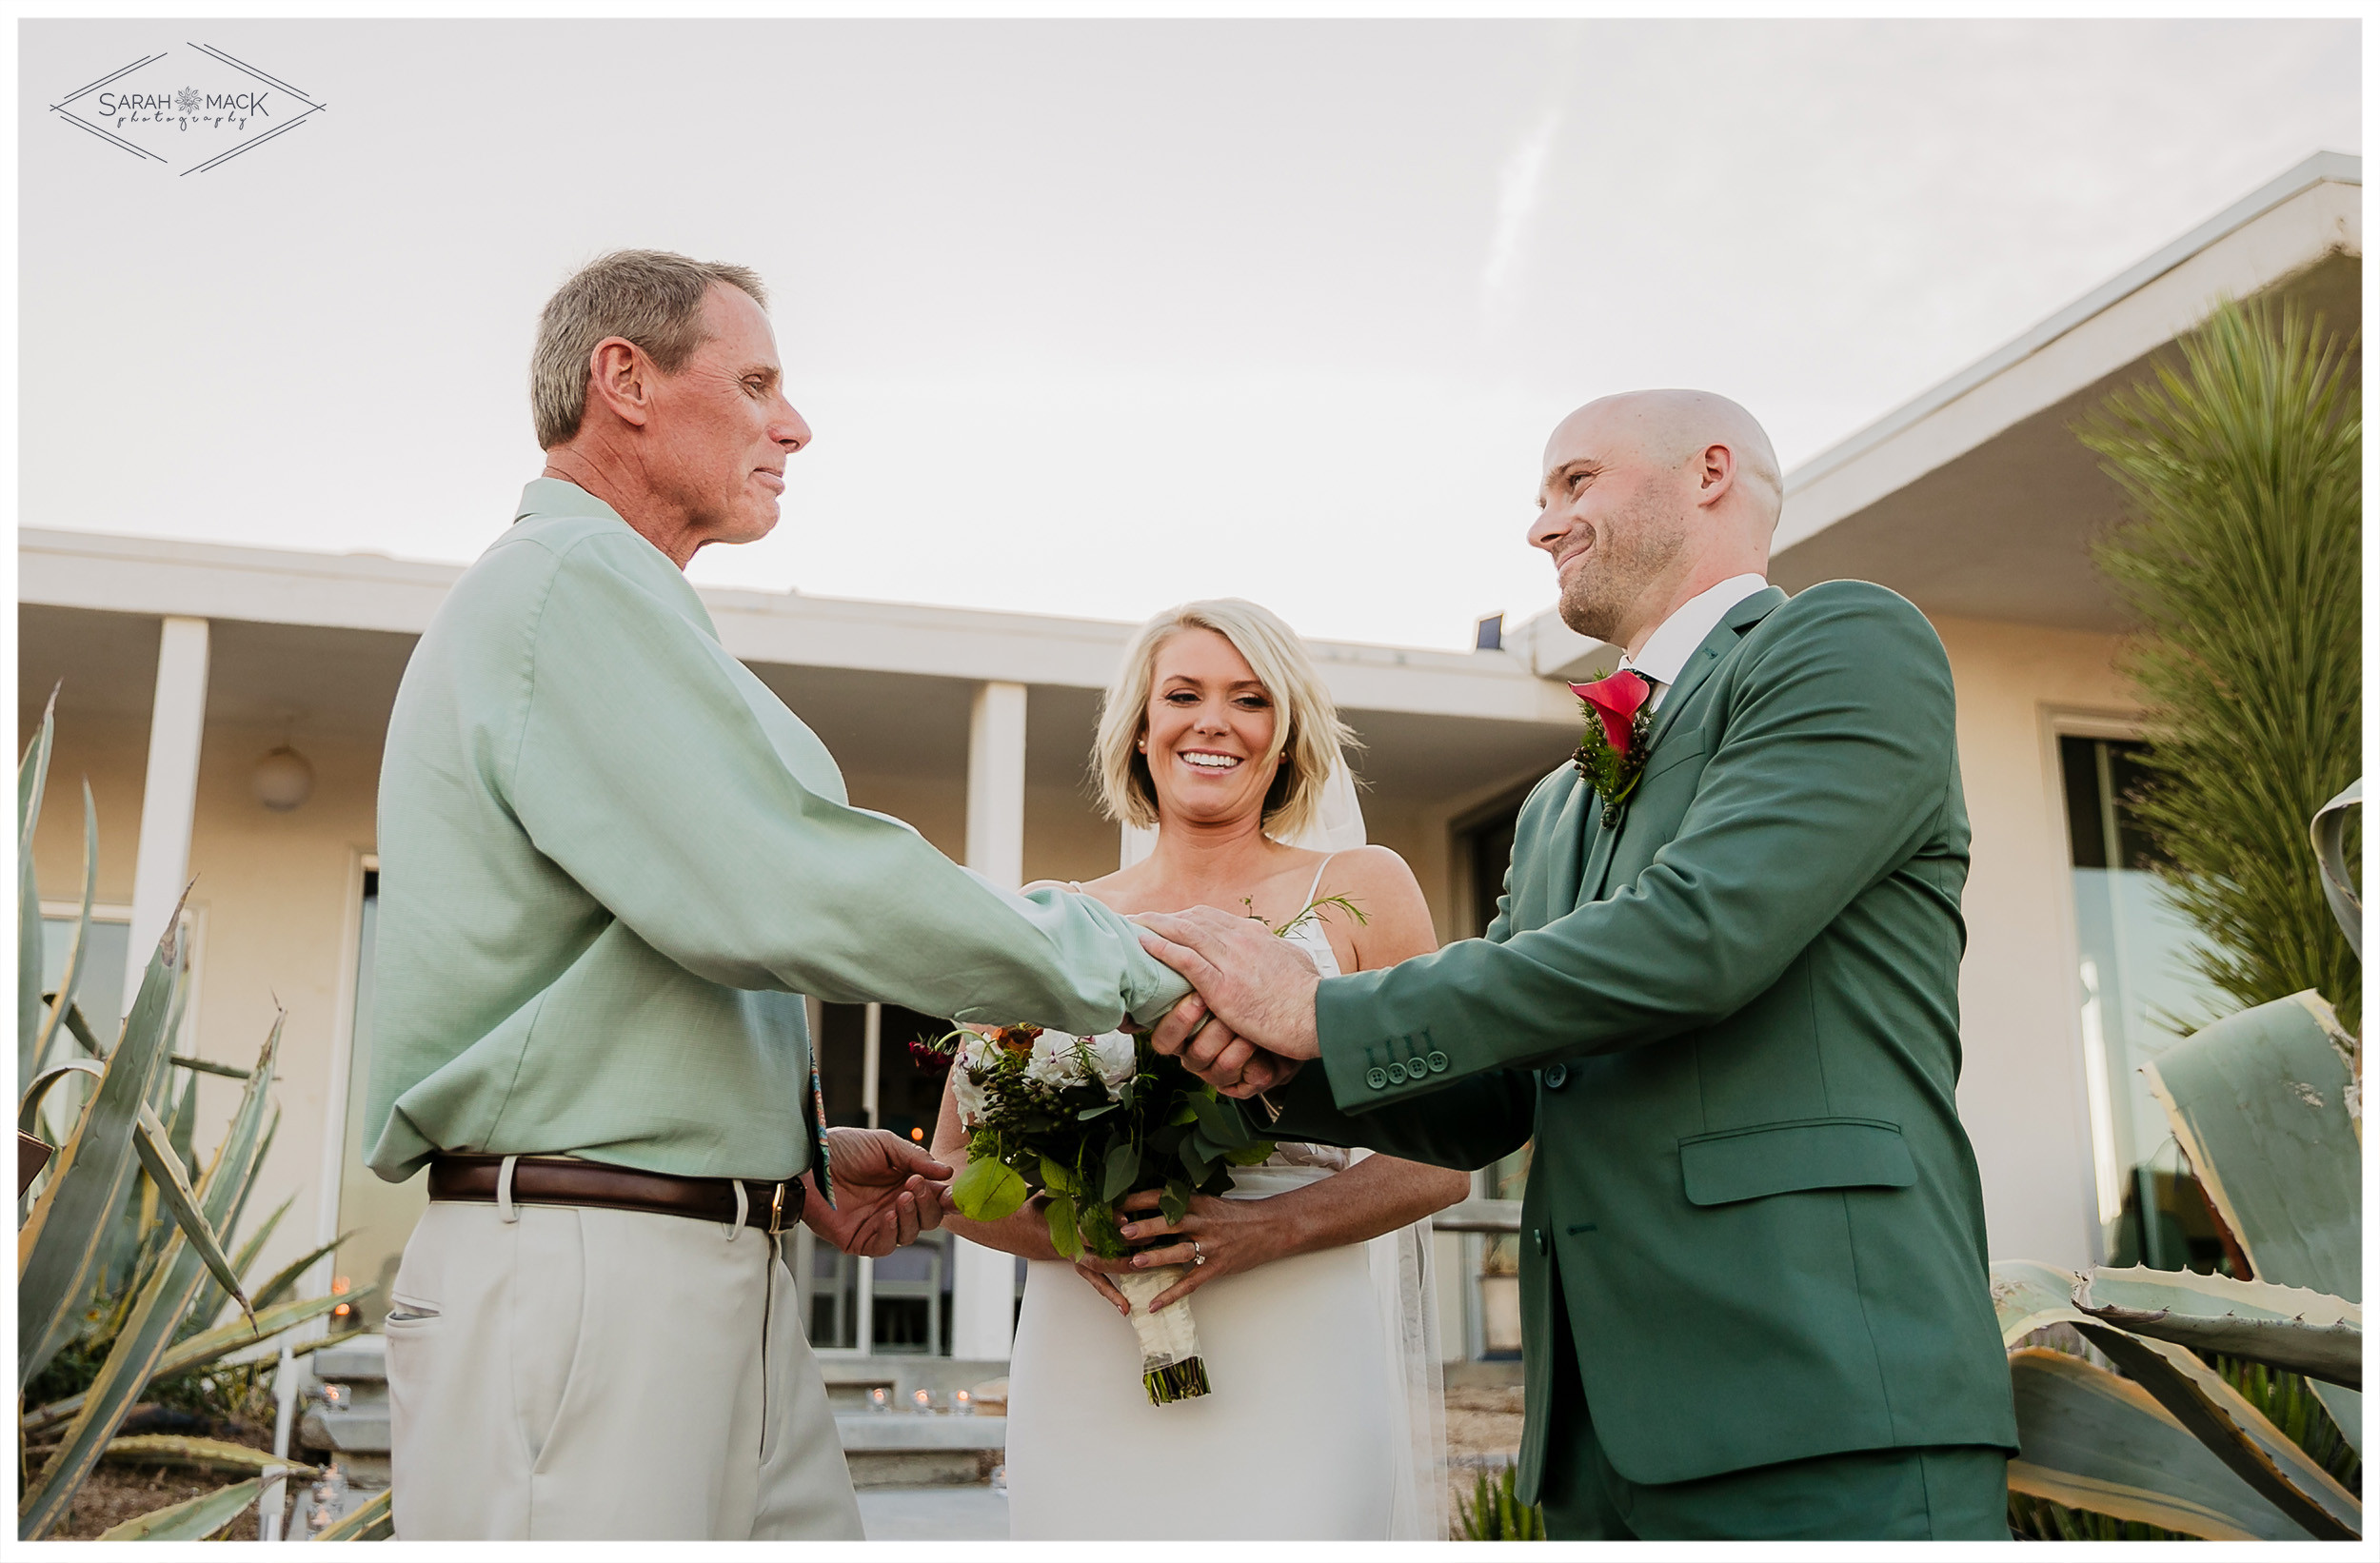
<point x="1211" y="726"/>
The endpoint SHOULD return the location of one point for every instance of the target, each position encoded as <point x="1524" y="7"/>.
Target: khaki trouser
<point x="579" y="1372"/>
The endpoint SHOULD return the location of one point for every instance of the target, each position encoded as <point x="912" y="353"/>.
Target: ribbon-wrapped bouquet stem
<point x="1080" y="1122"/>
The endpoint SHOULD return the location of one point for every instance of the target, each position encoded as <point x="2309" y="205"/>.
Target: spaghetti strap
<point x="1317" y="879"/>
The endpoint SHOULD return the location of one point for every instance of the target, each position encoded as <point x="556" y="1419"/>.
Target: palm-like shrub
<point x="2241" y="561"/>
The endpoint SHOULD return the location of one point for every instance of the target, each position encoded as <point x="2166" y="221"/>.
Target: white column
<point x="983" y="1282"/>
<point x="169" y="797"/>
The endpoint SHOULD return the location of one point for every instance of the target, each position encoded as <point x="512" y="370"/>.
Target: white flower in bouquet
<point x="1061" y="1061"/>
<point x="1119" y="1061"/>
<point x="975" y="1056"/>
<point x="1054" y="1064"/>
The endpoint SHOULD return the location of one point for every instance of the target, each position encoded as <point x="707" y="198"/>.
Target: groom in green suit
<point x="1721" y="994"/>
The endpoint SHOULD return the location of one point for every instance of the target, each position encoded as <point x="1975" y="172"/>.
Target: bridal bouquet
<point x="1084" y="1121"/>
<point x="1081" y="1122"/>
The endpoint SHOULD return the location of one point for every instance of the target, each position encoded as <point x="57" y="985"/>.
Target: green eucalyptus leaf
<point x="1184" y="1116"/>
<point x="1220" y="1122"/>
<point x="1252" y="1153"/>
<point x="1062" y="1236"/>
<point x="1123" y="1166"/>
<point x="1195" y="1160"/>
<point x="1058" y="1178"/>
<point x="1174" y="1203"/>
<point x="988" y="1190"/>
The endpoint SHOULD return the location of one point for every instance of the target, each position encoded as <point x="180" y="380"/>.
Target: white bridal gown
<point x="1324" y="1421"/>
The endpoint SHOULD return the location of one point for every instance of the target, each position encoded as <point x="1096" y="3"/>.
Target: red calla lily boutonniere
<point x="1619" y="722"/>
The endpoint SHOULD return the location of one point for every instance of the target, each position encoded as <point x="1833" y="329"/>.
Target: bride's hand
<point x="1217" y="1237"/>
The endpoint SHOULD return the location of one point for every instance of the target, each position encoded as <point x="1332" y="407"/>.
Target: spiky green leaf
<point x="193" y="1519"/>
<point x="33" y="774"/>
<point x="217" y="1344"/>
<point x="2289" y="1327"/>
<point x="2258" y="1103"/>
<point x="372" y="1521"/>
<point x="2092" y="1440"/>
<point x="29" y="1107"/>
<point x="2236" y="1433"/>
<point x="287" y="1278"/>
<point x="63" y="1244"/>
<point x="147" y="1333"/>
<point x="200" y="1454"/>
<point x="153" y="1141"/>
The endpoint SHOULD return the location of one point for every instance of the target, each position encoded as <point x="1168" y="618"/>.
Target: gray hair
<point x="648" y="297"/>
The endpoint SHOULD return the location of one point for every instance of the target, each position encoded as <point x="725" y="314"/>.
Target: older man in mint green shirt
<point x="612" y="863"/>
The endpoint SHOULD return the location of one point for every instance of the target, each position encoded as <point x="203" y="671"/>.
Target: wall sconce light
<point x="283" y="780"/>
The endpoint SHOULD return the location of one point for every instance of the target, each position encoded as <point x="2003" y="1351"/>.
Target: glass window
<point x="2136" y="993"/>
<point x="900" y="1303"/>
<point x="99" y="991"/>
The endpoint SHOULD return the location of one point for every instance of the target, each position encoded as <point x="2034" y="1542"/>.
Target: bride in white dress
<point x="1310" y="1280"/>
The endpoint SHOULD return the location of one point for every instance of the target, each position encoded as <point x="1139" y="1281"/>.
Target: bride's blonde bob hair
<point x="1307" y="734"/>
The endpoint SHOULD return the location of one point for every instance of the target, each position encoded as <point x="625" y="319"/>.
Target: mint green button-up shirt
<point x="611" y="862"/>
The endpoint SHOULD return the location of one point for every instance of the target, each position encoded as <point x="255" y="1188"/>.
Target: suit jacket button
<point x="1376" y="1079"/>
<point x="1397" y="1074"/>
<point x="1536" y="1236"/>
<point x="1556" y="1077"/>
<point x="1438" y="1064"/>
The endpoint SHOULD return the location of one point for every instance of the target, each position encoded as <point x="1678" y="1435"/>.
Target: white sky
<point x="1095" y="316"/>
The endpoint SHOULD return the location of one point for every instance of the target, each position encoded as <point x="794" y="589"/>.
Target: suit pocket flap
<point x="1819" y="1152"/>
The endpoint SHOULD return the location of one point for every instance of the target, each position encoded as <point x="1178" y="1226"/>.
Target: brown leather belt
<point x="565" y="1181"/>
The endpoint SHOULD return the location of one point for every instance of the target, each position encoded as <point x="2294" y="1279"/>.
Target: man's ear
<point x="1714" y="474"/>
<point x="619" y="375"/>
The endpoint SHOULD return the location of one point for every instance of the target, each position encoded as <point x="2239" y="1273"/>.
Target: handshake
<point x="1247" y="1028"/>
<point x="1249" y="1025"/>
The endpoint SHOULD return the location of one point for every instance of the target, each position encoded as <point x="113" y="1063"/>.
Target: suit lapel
<point x="1562" y="852"/>
<point x="1707" y="658"/>
<point x="1723" y="639"/>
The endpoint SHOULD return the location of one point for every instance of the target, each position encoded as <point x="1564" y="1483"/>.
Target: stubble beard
<point x="1626" y="558"/>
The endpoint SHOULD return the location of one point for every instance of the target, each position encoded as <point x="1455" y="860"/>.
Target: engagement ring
<point x="1198" y="1255"/>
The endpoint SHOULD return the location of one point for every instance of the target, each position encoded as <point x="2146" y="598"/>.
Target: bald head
<point x="1648" y="499"/>
<point x="1674" y="429"/>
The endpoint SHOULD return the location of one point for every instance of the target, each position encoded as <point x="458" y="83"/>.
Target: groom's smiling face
<point x="1612" y="515"/>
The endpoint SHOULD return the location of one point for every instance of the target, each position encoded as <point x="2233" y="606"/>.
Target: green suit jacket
<point x="1730" y="1024"/>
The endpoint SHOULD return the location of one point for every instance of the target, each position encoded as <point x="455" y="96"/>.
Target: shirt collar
<point x="1667" y="651"/>
<point x="561" y="496"/>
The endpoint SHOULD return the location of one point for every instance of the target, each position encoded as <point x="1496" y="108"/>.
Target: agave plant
<point x="2186" y="1435"/>
<point x="121" y="1255"/>
<point x="1494" y="1513"/>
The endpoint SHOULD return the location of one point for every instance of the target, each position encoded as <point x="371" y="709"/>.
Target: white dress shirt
<point x="1666" y="652"/>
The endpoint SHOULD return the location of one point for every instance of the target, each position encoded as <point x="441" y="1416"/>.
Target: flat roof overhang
<point x="1976" y="500"/>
